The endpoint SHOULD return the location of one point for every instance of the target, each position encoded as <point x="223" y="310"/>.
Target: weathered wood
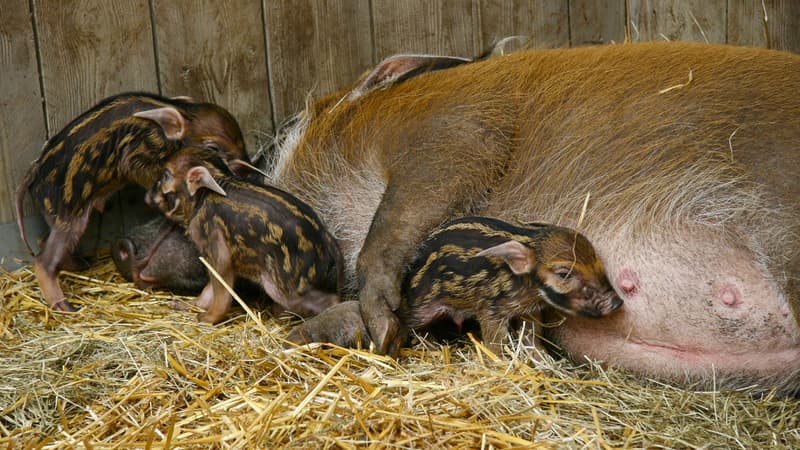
<point x="746" y="24"/>
<point x="678" y="20"/>
<point x="443" y="27"/>
<point x="594" y="22"/>
<point x="22" y="128"/>
<point x="91" y="50"/>
<point x="215" y="51"/>
<point x="314" y="46"/>
<point x="545" y="23"/>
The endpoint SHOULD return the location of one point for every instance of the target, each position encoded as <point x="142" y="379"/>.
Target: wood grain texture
<point x="594" y="22"/>
<point x="22" y="128"/>
<point x="91" y="50"/>
<point x="544" y="22"/>
<point x="678" y="20"/>
<point x="442" y="27"/>
<point x="314" y="46"/>
<point x="214" y="51"/>
<point x="746" y="24"/>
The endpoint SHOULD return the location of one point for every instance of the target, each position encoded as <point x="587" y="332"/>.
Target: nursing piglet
<point x="489" y="270"/>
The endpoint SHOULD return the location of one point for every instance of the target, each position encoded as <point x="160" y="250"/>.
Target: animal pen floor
<point x="129" y="372"/>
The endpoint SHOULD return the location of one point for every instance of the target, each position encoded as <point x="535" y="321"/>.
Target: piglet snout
<point x="123" y="253"/>
<point x="600" y="304"/>
<point x="612" y="305"/>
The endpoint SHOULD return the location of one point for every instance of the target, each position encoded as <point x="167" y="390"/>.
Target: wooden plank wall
<point x="261" y="58"/>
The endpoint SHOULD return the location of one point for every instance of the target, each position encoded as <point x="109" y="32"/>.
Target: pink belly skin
<point x="693" y="312"/>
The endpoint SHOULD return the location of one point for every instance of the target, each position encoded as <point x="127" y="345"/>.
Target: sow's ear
<point x="169" y="119"/>
<point x="402" y="67"/>
<point x="519" y="257"/>
<point x="199" y="177"/>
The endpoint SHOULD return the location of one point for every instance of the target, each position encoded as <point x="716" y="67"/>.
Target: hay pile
<point x="128" y="372"/>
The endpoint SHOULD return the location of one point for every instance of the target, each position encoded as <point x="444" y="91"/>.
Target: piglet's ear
<point x="199" y="177"/>
<point x="168" y="118"/>
<point x="519" y="257"/>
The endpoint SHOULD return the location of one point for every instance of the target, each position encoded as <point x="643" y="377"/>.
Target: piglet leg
<point x="46" y="267"/>
<point x="531" y="328"/>
<point x="48" y="263"/>
<point x="493" y="331"/>
<point x="220" y="258"/>
<point x="206" y="298"/>
<point x="70" y="262"/>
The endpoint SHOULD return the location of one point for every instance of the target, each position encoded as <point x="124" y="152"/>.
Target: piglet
<point x="158" y="254"/>
<point x="494" y="272"/>
<point x="124" y="139"/>
<point x="251" y="231"/>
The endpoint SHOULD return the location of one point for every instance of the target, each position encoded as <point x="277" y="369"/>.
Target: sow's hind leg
<point x="696" y="308"/>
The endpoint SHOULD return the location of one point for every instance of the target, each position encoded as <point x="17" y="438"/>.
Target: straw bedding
<point x="129" y="372"/>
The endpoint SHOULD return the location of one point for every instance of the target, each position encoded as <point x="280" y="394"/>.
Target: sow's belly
<point x="695" y="309"/>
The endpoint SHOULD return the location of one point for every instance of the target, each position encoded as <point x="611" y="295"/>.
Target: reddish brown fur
<point x="693" y="184"/>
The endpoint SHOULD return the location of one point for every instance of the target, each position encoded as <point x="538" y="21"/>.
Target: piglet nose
<point x="614" y="304"/>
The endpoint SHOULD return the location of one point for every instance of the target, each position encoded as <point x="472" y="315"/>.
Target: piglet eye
<point x="213" y="146"/>
<point x="564" y="274"/>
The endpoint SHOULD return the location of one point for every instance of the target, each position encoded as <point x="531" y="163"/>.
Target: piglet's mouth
<point x="607" y="305"/>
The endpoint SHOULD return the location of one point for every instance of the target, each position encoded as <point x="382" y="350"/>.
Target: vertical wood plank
<point x="444" y="27"/>
<point x="215" y="51"/>
<point x="746" y="24"/>
<point x="91" y="50"/>
<point x="545" y="23"/>
<point x="314" y="45"/>
<point x="22" y="128"/>
<point x="594" y="22"/>
<point x="678" y="20"/>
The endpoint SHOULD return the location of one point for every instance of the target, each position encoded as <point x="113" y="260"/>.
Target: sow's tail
<point x="24" y="185"/>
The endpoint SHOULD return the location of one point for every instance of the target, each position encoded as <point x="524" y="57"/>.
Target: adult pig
<point x="689" y="154"/>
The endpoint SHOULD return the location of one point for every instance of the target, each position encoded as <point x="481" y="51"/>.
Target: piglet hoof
<point x="63" y="306"/>
<point x="206" y="317"/>
<point x="177" y="305"/>
<point x="340" y="325"/>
